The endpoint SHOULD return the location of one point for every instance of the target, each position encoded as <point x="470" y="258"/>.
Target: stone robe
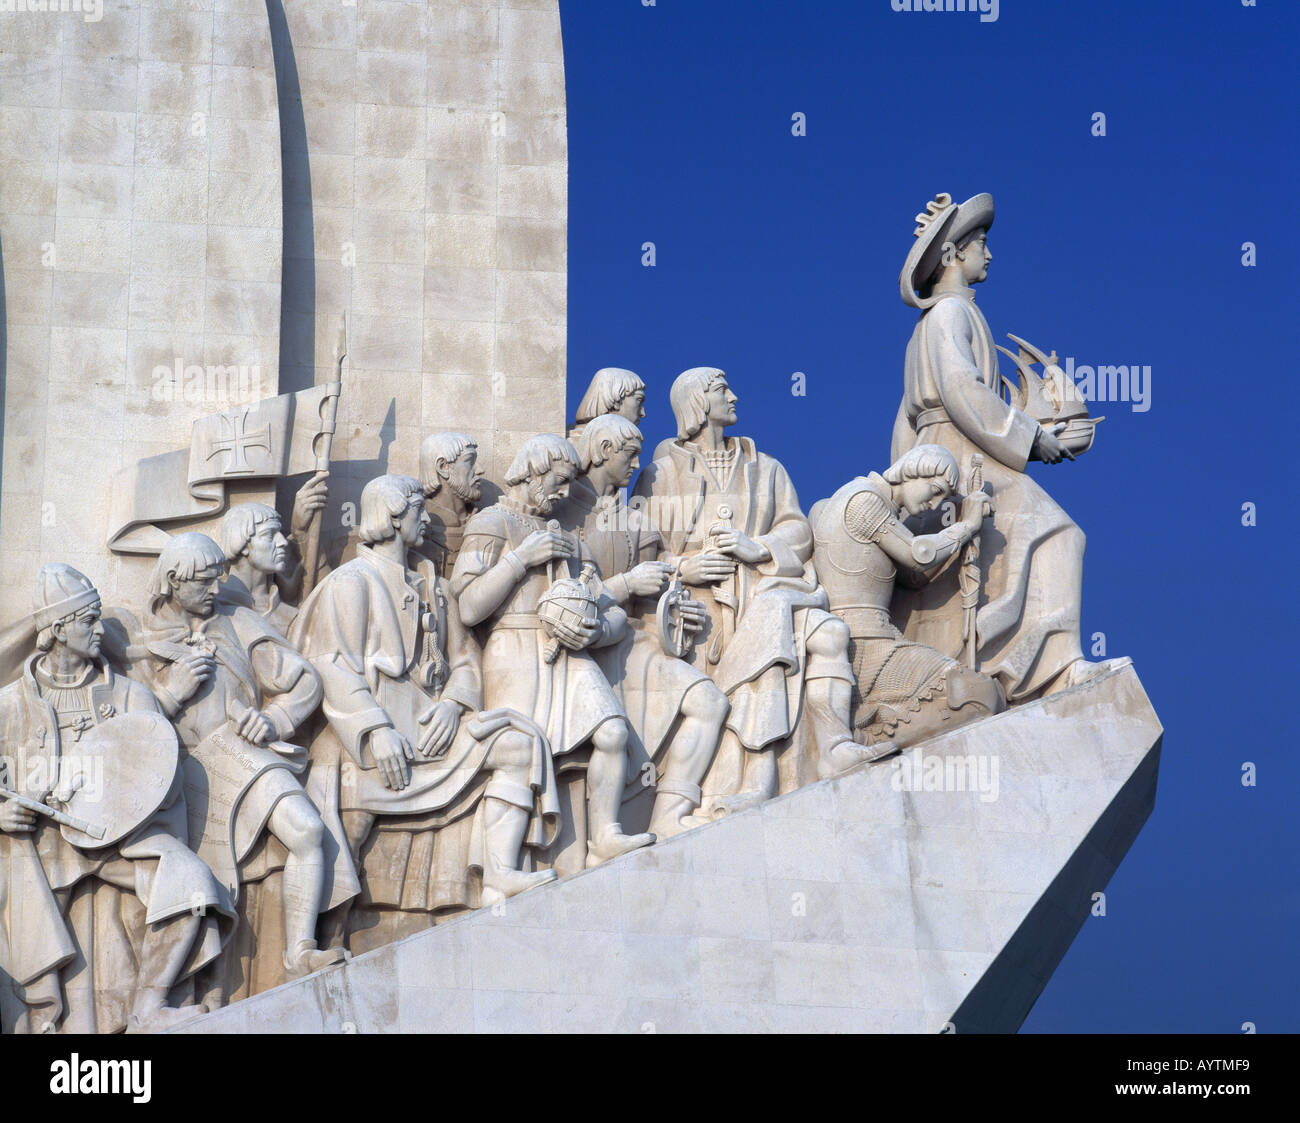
<point x="256" y="669"/>
<point x="70" y="925"/>
<point x="568" y="698"/>
<point x="650" y="683"/>
<point x="388" y="645"/>
<point x="763" y="654"/>
<point x="1031" y="557"/>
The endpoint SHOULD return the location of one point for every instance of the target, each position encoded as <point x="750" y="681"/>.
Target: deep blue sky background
<point x="779" y="254"/>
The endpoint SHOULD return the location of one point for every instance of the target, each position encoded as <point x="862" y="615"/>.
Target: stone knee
<point x="610" y="738"/>
<point x="707" y="703"/>
<point x="512" y="756"/>
<point x="296" y="822"/>
<point x="828" y="648"/>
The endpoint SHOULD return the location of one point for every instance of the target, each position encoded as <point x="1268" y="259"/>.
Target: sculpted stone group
<point x="270" y="769"/>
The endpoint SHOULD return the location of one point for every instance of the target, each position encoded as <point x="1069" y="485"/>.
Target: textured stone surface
<point x="403" y="161"/>
<point x="849" y="905"/>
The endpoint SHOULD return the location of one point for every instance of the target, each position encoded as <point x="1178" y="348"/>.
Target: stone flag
<point x="281" y="436"/>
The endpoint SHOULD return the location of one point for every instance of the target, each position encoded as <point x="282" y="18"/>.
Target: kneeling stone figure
<point x="905" y="691"/>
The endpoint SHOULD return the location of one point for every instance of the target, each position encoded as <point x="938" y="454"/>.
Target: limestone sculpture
<point x="731" y="513"/>
<point x="407" y="747"/>
<point x="236" y="690"/>
<point x="510" y="558"/>
<point x="952" y="397"/>
<point x="905" y="691"/>
<point x="453" y="484"/>
<point x="612" y="390"/>
<point x="674" y="710"/>
<point x="105" y="917"/>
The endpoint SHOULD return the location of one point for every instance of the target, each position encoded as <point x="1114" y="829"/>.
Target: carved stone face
<point x="632" y="407"/>
<point x="83" y="634"/>
<point x="975" y="266"/>
<point x="197" y="596"/>
<point x="413" y="524"/>
<point x="463" y="476"/>
<point x="924" y="494"/>
<point x="722" y="402"/>
<point x="624" y="463"/>
<point x="268" y="550"/>
<point x="545" y="491"/>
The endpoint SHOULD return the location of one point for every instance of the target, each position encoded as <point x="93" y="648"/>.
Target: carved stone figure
<point x="510" y="559"/>
<point x="675" y="711"/>
<point x="452" y="480"/>
<point x="95" y="929"/>
<point x="731" y="513"/>
<point x="236" y="689"/>
<point x="260" y="564"/>
<point x="612" y="390"/>
<point x="951" y="398"/>
<point x="407" y="748"/>
<point x="905" y="691"/>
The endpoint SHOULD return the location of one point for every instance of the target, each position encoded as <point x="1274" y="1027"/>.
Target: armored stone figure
<point x="452" y="480"/>
<point x="96" y="929"/>
<point x="1028" y="641"/>
<point x="407" y="748"/>
<point x="236" y="689"/>
<point x="508" y="564"/>
<point x="675" y="711"/>
<point x="731" y="513"/>
<point x="612" y="390"/>
<point x="905" y="691"/>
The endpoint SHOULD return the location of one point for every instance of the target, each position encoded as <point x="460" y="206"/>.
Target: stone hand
<point x="740" y="545"/>
<point x="976" y="508"/>
<point x="392" y="756"/>
<point x="648" y="579"/>
<point x="694" y="615"/>
<point x="577" y="636"/>
<point x="310" y="499"/>
<point x="443" y="720"/>
<point x="256" y="727"/>
<point x="189" y="673"/>
<point x="543" y="545"/>
<point x="15" y="819"/>
<point x="1047" y="448"/>
<point x="707" y="569"/>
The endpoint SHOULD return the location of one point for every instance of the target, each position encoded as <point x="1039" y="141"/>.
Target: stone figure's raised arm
<point x="290" y="687"/>
<point x="919" y="557"/>
<point x="999" y="429"/>
<point x="485" y="574"/>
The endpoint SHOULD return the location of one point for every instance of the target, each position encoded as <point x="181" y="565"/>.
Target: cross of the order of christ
<point x="239" y="442"/>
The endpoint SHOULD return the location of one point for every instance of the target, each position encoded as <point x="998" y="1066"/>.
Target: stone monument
<point x="342" y="662"/>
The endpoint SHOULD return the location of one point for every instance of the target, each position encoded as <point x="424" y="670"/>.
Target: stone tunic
<point x="650" y="683"/>
<point x="240" y="783"/>
<point x="761" y="655"/>
<point x="1032" y="561"/>
<point x="568" y="698"/>
<point x="68" y="958"/>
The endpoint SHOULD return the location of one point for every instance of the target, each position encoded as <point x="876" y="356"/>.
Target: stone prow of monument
<point x="880" y="901"/>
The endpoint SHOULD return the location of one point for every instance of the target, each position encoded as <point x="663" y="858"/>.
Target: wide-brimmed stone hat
<point x="942" y="222"/>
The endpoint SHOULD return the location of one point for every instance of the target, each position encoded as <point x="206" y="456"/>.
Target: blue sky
<point x="779" y="254"/>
